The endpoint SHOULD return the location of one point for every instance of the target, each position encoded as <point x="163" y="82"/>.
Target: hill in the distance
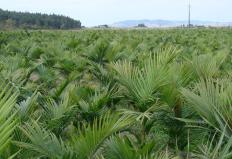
<point x="167" y="23"/>
<point x="11" y="19"/>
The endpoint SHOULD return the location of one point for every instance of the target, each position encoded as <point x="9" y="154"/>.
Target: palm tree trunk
<point x="177" y="109"/>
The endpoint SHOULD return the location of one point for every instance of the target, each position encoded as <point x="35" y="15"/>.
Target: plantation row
<point x="116" y="94"/>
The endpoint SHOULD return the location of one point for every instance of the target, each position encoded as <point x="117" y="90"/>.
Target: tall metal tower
<point x="189" y="14"/>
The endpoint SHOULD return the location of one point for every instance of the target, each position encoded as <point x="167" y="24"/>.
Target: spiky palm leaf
<point x="216" y="148"/>
<point x="117" y="148"/>
<point x="43" y="142"/>
<point x="207" y="65"/>
<point x="8" y="120"/>
<point x="88" y="143"/>
<point x="142" y="83"/>
<point x="26" y="107"/>
<point x="212" y="101"/>
<point x="56" y="114"/>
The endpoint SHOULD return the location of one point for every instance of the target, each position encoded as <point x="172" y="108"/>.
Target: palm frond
<point x="117" y="148"/>
<point x="43" y="142"/>
<point x="207" y="65"/>
<point x="216" y="148"/>
<point x="212" y="101"/>
<point x="8" y="120"/>
<point x="90" y="139"/>
<point x="142" y="83"/>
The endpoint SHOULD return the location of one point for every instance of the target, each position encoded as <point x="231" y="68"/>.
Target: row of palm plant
<point x="144" y="94"/>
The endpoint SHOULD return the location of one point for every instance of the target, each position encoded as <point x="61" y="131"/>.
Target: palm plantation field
<point x="116" y="94"/>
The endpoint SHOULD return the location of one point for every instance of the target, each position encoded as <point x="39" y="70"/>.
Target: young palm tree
<point x="141" y="84"/>
<point x="212" y="101"/>
<point x="87" y="142"/>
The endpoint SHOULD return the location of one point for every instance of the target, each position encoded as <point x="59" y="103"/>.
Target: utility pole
<point x="189" y="14"/>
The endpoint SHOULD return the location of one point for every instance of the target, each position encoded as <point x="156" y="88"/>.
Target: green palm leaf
<point x="212" y="101"/>
<point x="43" y="142"/>
<point x="89" y="141"/>
<point x="7" y="117"/>
<point x="211" y="150"/>
<point x="142" y="83"/>
<point x="117" y="148"/>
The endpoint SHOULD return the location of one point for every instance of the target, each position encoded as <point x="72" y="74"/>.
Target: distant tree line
<point x="141" y="26"/>
<point x="11" y="19"/>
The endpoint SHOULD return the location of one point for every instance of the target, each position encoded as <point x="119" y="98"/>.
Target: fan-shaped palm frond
<point x="117" y="148"/>
<point x="97" y="103"/>
<point x="56" y="112"/>
<point x="90" y="139"/>
<point x="212" y="101"/>
<point x="207" y="65"/>
<point x="43" y="142"/>
<point x="27" y="107"/>
<point x="142" y="83"/>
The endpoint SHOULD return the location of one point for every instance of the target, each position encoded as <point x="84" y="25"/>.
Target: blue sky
<point x="94" y="12"/>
